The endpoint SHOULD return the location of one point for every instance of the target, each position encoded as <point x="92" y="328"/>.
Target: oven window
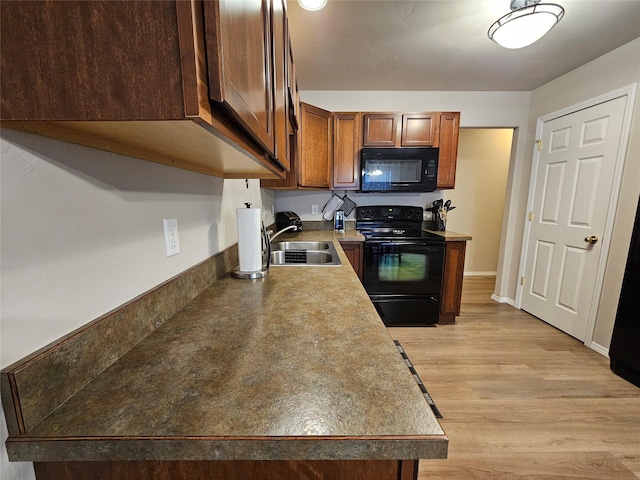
<point x="402" y="267"/>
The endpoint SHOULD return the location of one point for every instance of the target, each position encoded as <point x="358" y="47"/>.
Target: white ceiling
<point x="437" y="45"/>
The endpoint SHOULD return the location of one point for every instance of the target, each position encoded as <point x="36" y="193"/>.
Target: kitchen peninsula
<point x="291" y="376"/>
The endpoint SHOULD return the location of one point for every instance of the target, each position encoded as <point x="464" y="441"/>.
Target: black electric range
<point x="402" y="264"/>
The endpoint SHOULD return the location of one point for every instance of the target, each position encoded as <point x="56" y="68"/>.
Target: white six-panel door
<point x="573" y="183"/>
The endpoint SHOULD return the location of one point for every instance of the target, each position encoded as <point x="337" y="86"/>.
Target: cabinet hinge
<point x="522" y="281"/>
<point x="539" y="143"/>
<point x="531" y="216"/>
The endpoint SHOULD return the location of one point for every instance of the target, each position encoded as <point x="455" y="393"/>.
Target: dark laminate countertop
<point x="297" y="365"/>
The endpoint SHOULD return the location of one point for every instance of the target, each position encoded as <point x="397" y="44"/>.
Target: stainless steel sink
<point x="301" y="246"/>
<point x="304" y="254"/>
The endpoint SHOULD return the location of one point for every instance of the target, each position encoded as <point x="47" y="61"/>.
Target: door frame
<point x="630" y="93"/>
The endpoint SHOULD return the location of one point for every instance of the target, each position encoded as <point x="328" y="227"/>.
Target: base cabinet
<point x="354" y="252"/>
<point x="231" y="470"/>
<point x="452" y="277"/>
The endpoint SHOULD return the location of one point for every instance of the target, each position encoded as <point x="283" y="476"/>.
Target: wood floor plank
<point x="521" y="399"/>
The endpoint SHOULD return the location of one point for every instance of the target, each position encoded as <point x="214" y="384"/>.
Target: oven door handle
<point x="400" y="244"/>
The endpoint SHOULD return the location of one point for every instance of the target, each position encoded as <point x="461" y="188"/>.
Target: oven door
<point x="403" y="267"/>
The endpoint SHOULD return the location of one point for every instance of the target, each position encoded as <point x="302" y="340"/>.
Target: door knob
<point x="592" y="239"/>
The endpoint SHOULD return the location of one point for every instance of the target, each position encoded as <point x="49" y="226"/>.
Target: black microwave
<point x="399" y="169"/>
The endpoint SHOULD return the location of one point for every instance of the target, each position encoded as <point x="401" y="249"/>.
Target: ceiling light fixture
<point x="312" y="4"/>
<point x="527" y="23"/>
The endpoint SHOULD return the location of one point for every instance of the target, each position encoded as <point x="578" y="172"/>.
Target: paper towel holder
<point x="264" y="271"/>
<point x="236" y="273"/>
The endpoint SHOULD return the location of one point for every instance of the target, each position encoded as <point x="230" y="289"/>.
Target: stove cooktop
<point x="391" y="222"/>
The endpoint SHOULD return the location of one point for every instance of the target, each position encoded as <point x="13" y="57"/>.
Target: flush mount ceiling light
<point x="312" y="4"/>
<point x="527" y="23"/>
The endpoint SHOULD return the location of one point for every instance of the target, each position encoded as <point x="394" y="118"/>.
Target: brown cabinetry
<point x="238" y="39"/>
<point x="231" y="470"/>
<point x="400" y="129"/>
<point x="147" y="91"/>
<point x="452" y="277"/>
<point x="419" y="130"/>
<point x="347" y="140"/>
<point x="448" y="143"/>
<point x="315" y="147"/>
<point x="352" y="131"/>
<point x="354" y="252"/>
<point x="428" y="129"/>
<point x="380" y="130"/>
<point x="281" y="56"/>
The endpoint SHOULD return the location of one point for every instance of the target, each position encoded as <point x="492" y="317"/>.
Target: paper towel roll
<point x="249" y="239"/>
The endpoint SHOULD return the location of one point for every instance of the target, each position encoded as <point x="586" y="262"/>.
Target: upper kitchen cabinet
<point x="428" y="129"/>
<point x="419" y="130"/>
<point x="347" y="139"/>
<point x="380" y="130"/>
<point x="448" y="143"/>
<point x="281" y="56"/>
<point x="138" y="78"/>
<point x="315" y="147"/>
<point x="292" y="121"/>
<point x="242" y="76"/>
<point x="400" y="129"/>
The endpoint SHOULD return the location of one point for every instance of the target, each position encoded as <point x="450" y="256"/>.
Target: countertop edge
<point x="224" y="448"/>
<point x="450" y="236"/>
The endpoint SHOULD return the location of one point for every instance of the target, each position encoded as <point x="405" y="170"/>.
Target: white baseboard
<point x="599" y="348"/>
<point x="479" y="274"/>
<point x="506" y="300"/>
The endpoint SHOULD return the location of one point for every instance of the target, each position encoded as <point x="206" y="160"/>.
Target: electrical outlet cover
<point x="171" y="238"/>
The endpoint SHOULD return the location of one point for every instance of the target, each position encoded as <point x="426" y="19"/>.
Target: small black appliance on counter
<point x="285" y="219"/>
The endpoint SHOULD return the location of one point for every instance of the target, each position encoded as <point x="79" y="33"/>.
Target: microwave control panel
<point x="431" y="169"/>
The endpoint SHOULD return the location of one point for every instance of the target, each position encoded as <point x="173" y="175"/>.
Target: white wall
<point x="481" y="183"/>
<point x="82" y="233"/>
<point x="610" y="72"/>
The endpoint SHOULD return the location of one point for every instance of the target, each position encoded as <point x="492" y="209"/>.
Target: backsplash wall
<point x="82" y="234"/>
<point x="302" y="202"/>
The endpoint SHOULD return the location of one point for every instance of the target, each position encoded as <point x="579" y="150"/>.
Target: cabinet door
<point x="419" y="130"/>
<point x="381" y="130"/>
<point x="230" y="470"/>
<point x="238" y="37"/>
<point x="315" y="147"/>
<point x="448" y="143"/>
<point x="280" y="84"/>
<point x="452" y="277"/>
<point x="346" y="150"/>
<point x="354" y="252"/>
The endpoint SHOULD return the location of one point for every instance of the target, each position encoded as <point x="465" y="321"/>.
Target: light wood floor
<point x="522" y="400"/>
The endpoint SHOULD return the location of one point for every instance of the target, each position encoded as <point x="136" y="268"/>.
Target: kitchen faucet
<point x="295" y="227"/>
